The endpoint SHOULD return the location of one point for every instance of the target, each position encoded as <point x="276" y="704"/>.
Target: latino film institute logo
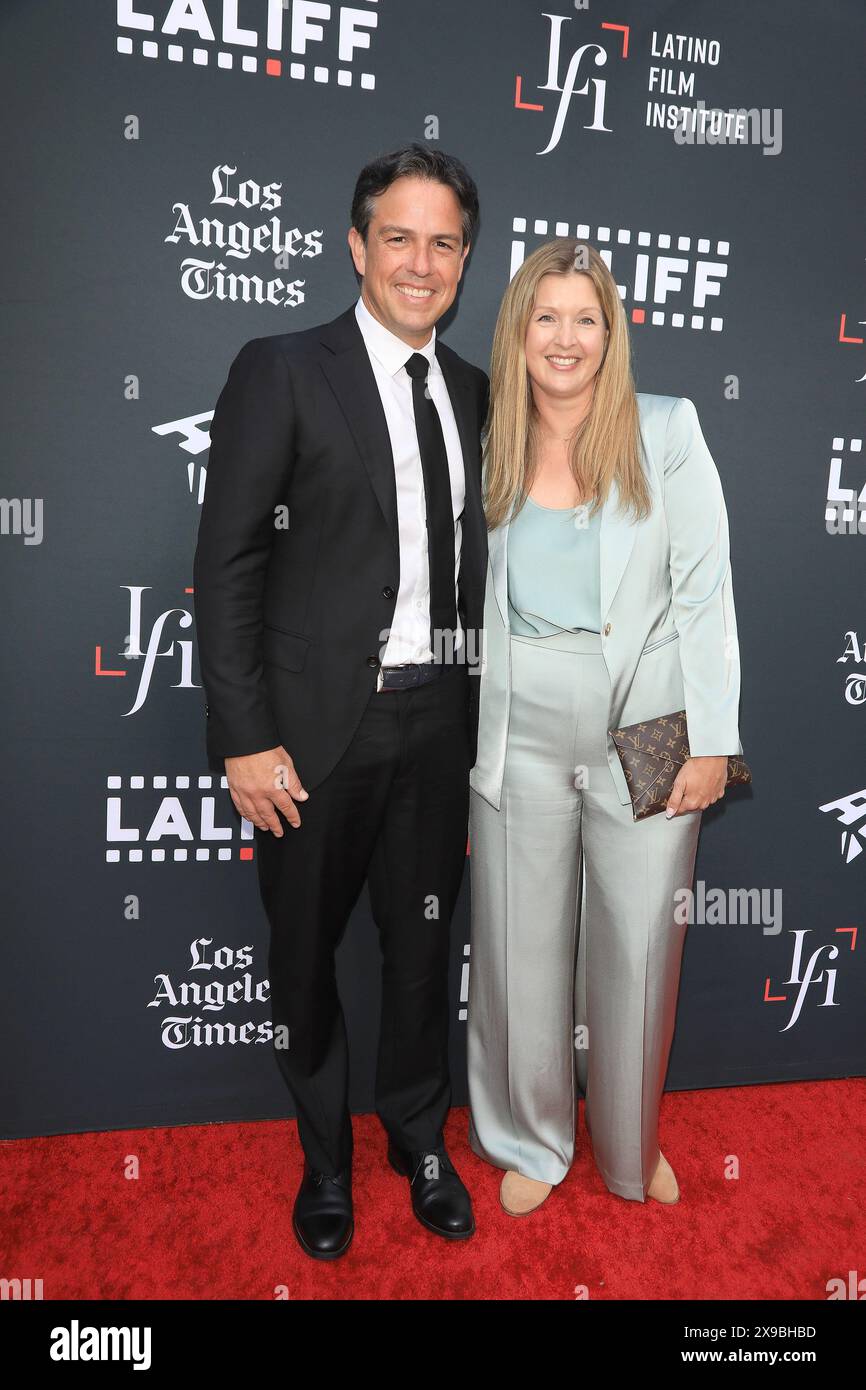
<point x="145" y="653"/>
<point x="812" y="977"/>
<point x="585" y="56"/>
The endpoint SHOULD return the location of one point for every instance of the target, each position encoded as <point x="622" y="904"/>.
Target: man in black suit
<point x="339" y="582"/>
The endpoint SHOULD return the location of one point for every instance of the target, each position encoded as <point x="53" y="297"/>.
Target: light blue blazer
<point x="668" y="626"/>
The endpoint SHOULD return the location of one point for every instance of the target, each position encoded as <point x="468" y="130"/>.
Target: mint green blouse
<point x="554" y="581"/>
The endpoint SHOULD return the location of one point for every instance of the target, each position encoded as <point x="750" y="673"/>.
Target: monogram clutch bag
<point x="652" y="754"/>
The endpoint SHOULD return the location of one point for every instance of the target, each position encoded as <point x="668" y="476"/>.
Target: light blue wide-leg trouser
<point x="575" y="951"/>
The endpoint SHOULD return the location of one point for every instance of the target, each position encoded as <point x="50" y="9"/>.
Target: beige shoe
<point x="519" y="1196"/>
<point x="663" y="1187"/>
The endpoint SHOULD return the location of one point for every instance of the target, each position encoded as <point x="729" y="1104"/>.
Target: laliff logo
<point x="845" y="510"/>
<point x="318" y="43"/>
<point x="855" y="681"/>
<point x="808" y="970"/>
<point x="851" y="815"/>
<point x="176" y="658"/>
<point x="218" y="981"/>
<point x="177" y="820"/>
<point x="671" y="280"/>
<point x="209" y="277"/>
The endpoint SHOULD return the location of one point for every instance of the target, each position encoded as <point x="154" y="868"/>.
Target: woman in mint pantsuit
<point x="609" y="600"/>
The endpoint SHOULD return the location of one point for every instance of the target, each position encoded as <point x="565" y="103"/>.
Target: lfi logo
<point x="178" y="653"/>
<point x="582" y="62"/>
<point x="808" y="970"/>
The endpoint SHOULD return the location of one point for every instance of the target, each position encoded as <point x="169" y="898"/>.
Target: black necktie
<point x="440" y="515"/>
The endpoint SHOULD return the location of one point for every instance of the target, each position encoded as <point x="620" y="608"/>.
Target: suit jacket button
<point x="207" y="711"/>
<point x="387" y="592"/>
<point x="606" y="629"/>
<point x="373" y="662"/>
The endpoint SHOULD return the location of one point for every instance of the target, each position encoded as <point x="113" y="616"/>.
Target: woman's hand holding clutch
<point x="699" y="782"/>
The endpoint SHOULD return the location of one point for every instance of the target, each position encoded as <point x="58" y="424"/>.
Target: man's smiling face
<point x="413" y="258"/>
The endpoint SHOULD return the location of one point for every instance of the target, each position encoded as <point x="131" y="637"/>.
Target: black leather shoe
<point x="322" y="1219"/>
<point x="440" y="1201"/>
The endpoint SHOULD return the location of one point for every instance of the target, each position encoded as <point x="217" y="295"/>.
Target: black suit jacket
<point x="291" y="618"/>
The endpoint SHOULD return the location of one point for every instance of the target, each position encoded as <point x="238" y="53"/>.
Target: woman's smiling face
<point x="566" y="336"/>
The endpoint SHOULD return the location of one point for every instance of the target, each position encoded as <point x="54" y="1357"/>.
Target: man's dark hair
<point x="418" y="161"/>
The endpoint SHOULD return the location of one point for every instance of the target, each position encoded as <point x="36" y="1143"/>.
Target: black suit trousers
<point x="394" y="810"/>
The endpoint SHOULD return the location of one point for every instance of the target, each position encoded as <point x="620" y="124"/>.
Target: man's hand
<point x="263" y="783"/>
<point x="699" y="782"/>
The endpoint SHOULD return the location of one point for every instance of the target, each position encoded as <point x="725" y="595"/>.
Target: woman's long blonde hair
<point x="606" y="445"/>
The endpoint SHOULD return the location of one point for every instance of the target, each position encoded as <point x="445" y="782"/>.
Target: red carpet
<point x="209" y="1216"/>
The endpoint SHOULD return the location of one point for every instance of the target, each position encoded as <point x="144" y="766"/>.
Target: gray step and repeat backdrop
<point x="178" y="179"/>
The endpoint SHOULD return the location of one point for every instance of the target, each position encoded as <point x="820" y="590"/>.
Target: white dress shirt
<point x="409" y="637"/>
